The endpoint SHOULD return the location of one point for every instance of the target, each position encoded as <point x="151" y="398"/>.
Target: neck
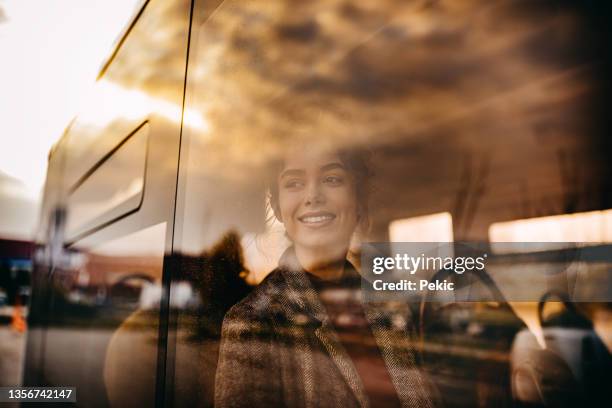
<point x="330" y="267"/>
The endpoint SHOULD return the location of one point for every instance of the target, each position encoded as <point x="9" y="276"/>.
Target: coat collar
<point x="304" y="304"/>
<point x="303" y="308"/>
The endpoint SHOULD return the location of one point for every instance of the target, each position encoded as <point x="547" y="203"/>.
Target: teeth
<point x="319" y="218"/>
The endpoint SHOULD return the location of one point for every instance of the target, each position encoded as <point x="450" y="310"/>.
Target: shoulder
<point x="263" y="302"/>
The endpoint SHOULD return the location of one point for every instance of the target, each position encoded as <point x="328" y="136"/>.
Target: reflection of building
<point x="15" y="269"/>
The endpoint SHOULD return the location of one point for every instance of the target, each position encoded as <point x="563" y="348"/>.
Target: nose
<point x="314" y="194"/>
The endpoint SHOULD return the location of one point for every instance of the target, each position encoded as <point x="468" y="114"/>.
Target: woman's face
<point x="317" y="202"/>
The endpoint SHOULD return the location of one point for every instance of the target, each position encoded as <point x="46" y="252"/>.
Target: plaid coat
<point x="278" y="348"/>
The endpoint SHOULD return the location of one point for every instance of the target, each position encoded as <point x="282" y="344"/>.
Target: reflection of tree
<point x="217" y="277"/>
<point x="380" y="70"/>
<point x="442" y="80"/>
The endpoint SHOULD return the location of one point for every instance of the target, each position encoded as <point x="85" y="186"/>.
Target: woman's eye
<point x="333" y="180"/>
<point x="293" y="184"/>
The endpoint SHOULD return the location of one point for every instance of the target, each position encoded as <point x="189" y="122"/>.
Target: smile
<point x="319" y="218"/>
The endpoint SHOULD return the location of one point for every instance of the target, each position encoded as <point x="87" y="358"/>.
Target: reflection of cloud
<point x="18" y="212"/>
<point x="132" y="104"/>
<point x="144" y="81"/>
<point x="329" y="70"/>
<point x="433" y="85"/>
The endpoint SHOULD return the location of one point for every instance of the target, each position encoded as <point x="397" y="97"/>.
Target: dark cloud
<point x="499" y="79"/>
<point x="300" y="32"/>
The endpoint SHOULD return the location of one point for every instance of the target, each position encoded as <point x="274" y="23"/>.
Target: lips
<point x="317" y="218"/>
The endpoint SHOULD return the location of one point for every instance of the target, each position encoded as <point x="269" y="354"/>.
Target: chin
<point x="326" y="245"/>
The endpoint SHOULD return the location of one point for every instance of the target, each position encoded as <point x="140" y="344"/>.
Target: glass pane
<point x="312" y="128"/>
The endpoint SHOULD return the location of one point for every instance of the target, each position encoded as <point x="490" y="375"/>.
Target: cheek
<point x="346" y="202"/>
<point x="287" y="204"/>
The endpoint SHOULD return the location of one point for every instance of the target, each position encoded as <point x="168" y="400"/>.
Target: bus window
<point x="311" y="128"/>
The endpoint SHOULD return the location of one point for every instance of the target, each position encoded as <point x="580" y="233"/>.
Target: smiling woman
<point x="288" y="323"/>
<point x="321" y="199"/>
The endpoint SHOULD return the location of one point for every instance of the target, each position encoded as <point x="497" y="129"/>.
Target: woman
<point x="287" y="344"/>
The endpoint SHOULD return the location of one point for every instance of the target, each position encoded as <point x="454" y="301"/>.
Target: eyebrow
<point x="300" y="172"/>
<point x="332" y="166"/>
<point x="291" y="172"/>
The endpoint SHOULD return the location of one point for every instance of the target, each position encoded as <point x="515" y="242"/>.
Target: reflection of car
<point x="129" y="290"/>
<point x="572" y="367"/>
